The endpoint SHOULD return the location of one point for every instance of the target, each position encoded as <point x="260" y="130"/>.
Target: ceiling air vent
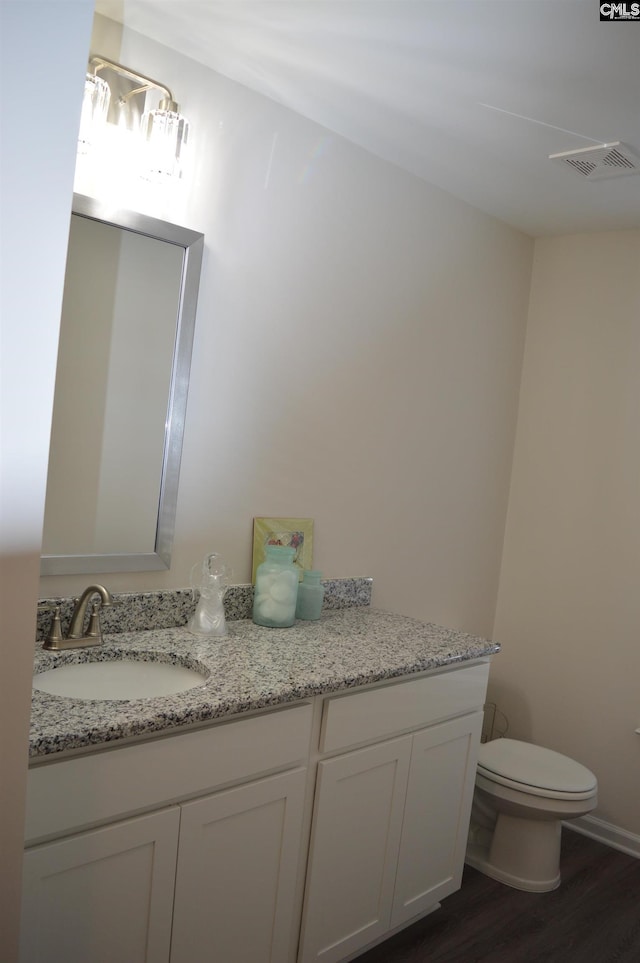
<point x="596" y="163"/>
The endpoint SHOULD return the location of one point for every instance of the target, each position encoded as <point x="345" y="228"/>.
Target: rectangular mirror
<point x="122" y="379"/>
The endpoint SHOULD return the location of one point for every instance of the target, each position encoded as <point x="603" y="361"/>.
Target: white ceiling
<point x="470" y="95"/>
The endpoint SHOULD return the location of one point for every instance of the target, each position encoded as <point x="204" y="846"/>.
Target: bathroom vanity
<point x="311" y="797"/>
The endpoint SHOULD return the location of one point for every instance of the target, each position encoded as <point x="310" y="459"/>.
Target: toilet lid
<point x="521" y="762"/>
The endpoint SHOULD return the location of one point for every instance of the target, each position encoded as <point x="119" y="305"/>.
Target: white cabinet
<point x="390" y="820"/>
<point x="354" y="849"/>
<point x="236" y="879"/>
<point x="108" y="895"/>
<point x="436" y="816"/>
<point x="102" y="896"/>
<point x="192" y="848"/>
<point x="209" y="878"/>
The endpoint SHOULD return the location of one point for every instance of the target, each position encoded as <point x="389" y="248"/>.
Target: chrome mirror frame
<point x="192" y="243"/>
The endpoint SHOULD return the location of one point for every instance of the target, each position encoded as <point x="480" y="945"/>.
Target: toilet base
<point x="522" y="853"/>
<point x="479" y="859"/>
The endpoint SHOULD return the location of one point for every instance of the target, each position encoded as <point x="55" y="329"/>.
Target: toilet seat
<point x="534" y="770"/>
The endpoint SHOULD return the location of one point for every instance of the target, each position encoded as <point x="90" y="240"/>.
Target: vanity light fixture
<point x="162" y="132"/>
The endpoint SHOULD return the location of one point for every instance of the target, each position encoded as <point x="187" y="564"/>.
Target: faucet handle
<point x="94" y="631"/>
<point x="54" y="636"/>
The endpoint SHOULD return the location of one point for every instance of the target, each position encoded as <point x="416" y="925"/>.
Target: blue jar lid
<point x="312" y="575"/>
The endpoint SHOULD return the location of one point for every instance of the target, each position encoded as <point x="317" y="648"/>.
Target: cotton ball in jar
<point x="265" y="581"/>
<point x="280" y="611"/>
<point x="284" y="587"/>
<point x="266" y="607"/>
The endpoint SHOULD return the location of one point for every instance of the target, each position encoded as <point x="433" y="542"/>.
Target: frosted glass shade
<point x="165" y="133"/>
<point x="95" y="106"/>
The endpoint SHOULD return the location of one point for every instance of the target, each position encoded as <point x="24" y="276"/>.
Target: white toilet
<point x="522" y="794"/>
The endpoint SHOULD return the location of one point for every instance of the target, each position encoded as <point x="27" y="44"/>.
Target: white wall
<point x="569" y="603"/>
<point x="357" y="355"/>
<point x="37" y="181"/>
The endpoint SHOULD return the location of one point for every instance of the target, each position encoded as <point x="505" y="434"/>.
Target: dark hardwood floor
<point x="593" y="917"/>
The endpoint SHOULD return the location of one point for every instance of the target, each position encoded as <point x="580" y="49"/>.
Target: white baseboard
<point x="606" y="833"/>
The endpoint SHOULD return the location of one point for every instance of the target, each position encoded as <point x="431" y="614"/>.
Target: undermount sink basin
<point x="118" y="679"/>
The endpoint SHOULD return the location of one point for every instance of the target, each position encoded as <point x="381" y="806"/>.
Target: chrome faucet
<point x="77" y="636"/>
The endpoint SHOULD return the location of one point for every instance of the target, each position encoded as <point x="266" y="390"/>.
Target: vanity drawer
<point x="402" y="706"/>
<point x="115" y="782"/>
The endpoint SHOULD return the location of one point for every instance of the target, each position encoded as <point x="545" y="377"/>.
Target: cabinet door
<point x="354" y="847"/>
<point x="102" y="896"/>
<point x="436" y="817"/>
<point x="237" y="874"/>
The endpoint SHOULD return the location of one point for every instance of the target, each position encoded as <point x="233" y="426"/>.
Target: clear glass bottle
<point x="276" y="590"/>
<point x="310" y="596"/>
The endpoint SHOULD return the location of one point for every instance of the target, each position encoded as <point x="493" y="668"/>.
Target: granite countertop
<point x="251" y="668"/>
